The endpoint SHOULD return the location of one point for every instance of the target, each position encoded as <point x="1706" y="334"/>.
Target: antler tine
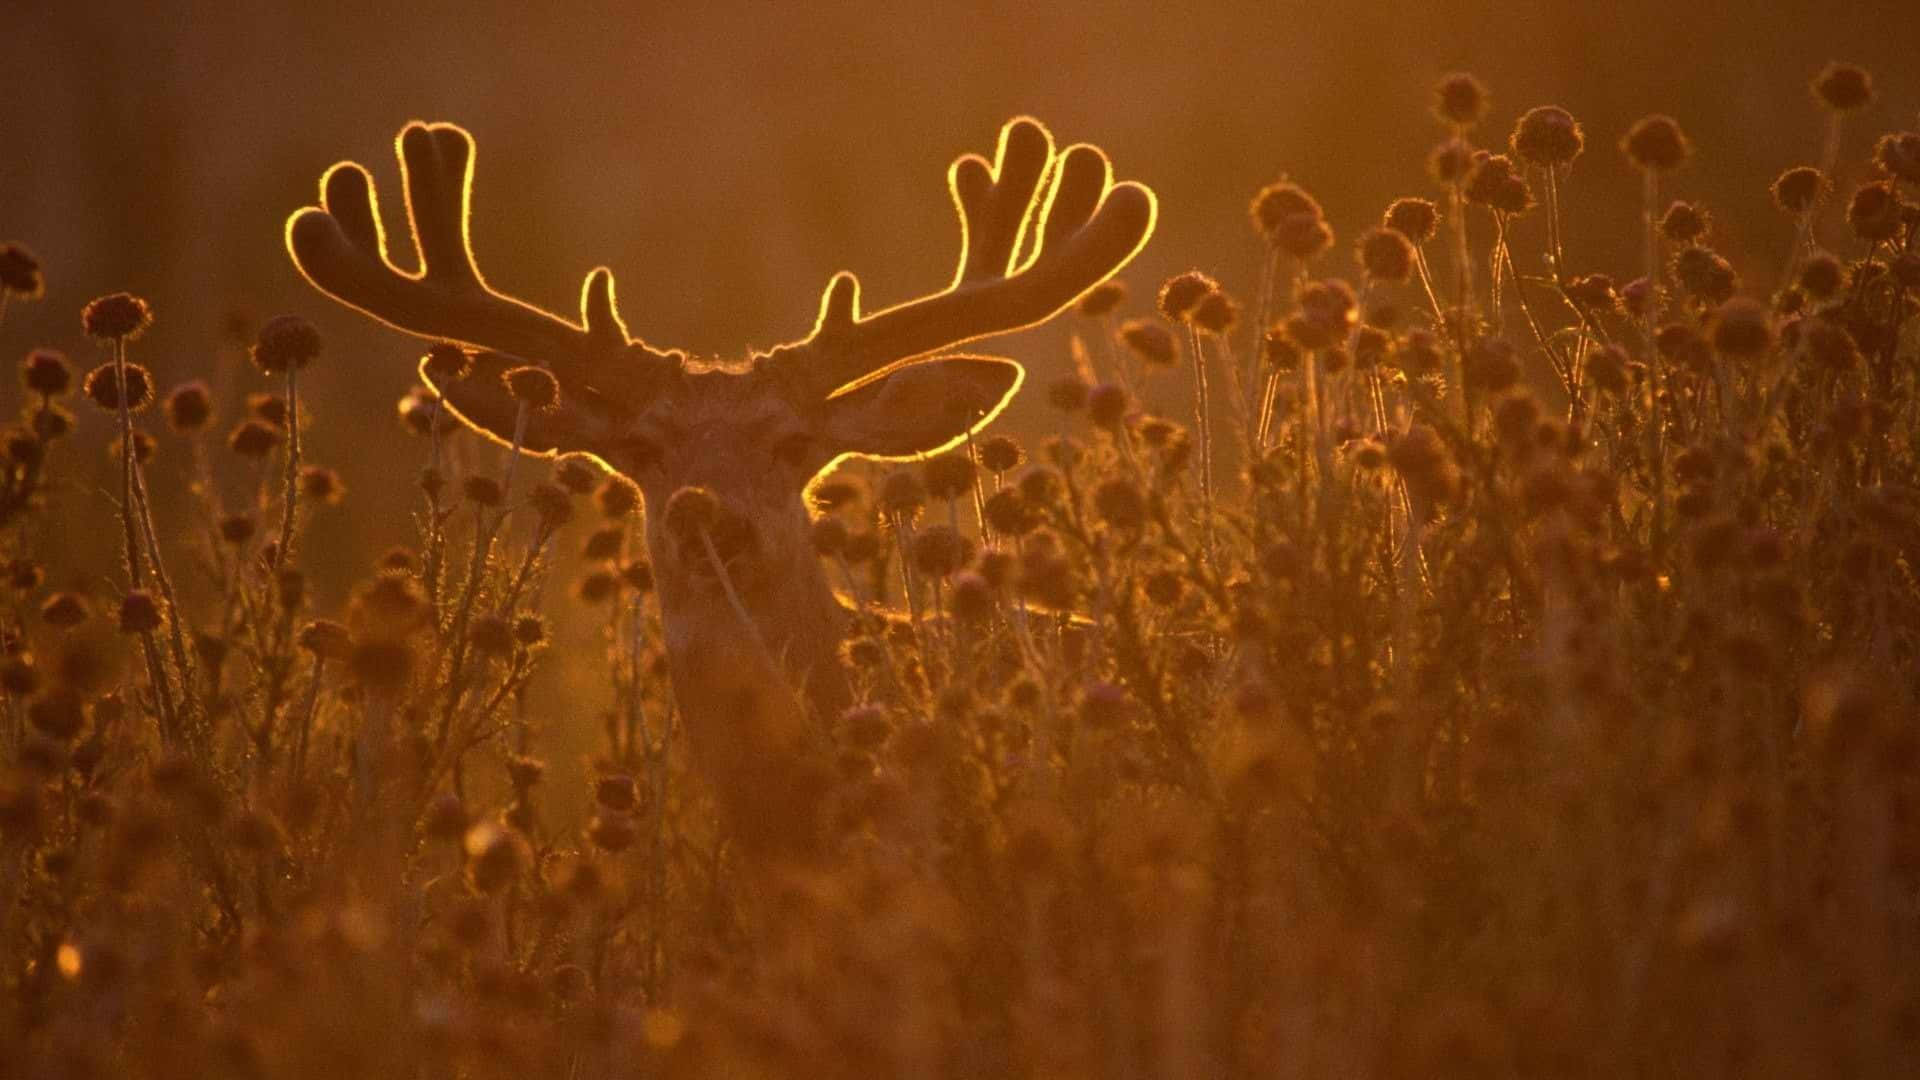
<point x="1081" y="233"/>
<point x="341" y="247"/>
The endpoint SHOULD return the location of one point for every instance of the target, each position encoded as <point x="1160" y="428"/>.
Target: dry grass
<point x="1506" y="670"/>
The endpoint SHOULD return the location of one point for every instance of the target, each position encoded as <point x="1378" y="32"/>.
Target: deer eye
<point x="793" y="449"/>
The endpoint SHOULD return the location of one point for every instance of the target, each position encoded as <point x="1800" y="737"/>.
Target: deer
<point x="752" y="628"/>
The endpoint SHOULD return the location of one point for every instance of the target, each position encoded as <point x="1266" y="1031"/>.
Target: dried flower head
<point x="1102" y="299"/>
<point x="1494" y="183"/>
<point x="1386" y="254"/>
<point x="1685" y="223"/>
<point x="1799" y="189"/>
<point x="902" y="493"/>
<point x="139" y="612"/>
<point x="1843" y="87"/>
<point x="1822" y="276"/>
<point x="1450" y="162"/>
<point x="189" y="407"/>
<point x="45" y="372"/>
<point x="1215" y="313"/>
<point x="326" y="640"/>
<point x="102" y="386"/>
<point x="948" y="476"/>
<point x="253" y="438"/>
<point x="576" y="472"/>
<point x="1875" y="212"/>
<point x="286" y="342"/>
<point x="446" y="361"/>
<point x="1068" y="393"/>
<point x="1656" y="144"/>
<point x="1705" y="274"/>
<point x="1414" y="218"/>
<point x="482" y="490"/>
<point x="1547" y="136"/>
<point x="532" y="386"/>
<point x="1181" y="292"/>
<point x="1898" y="155"/>
<point x="1107" y="406"/>
<point x="617" y="497"/>
<point x="1277" y="202"/>
<point x="1152" y="343"/>
<point x="20" y="272"/>
<point x="321" y="484"/>
<point x="1459" y="99"/>
<point x="117" y="316"/>
<point x="1000" y="453"/>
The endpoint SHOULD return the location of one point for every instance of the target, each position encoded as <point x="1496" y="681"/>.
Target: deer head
<point x="1038" y="228"/>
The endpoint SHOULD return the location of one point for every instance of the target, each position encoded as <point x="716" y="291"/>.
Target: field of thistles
<point x="1440" y="656"/>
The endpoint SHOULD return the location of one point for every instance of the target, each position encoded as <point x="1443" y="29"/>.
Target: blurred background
<point x="725" y="158"/>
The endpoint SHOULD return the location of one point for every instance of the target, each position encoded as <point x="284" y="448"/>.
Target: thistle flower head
<point x="102" y="386"/>
<point x="119" y="316"/>
<point x="1656" y="144"/>
<point x="1460" y="99"/>
<point x="1547" y="136"/>
<point x="1843" y="87"/>
<point x="286" y="342"/>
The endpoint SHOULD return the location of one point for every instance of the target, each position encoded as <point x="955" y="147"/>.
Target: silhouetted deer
<point x="1038" y="230"/>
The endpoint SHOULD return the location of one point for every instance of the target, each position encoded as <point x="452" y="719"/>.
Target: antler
<point x="342" y="249"/>
<point x="1084" y="231"/>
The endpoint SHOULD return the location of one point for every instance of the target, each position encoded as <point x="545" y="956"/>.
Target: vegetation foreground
<point x="1487" y="666"/>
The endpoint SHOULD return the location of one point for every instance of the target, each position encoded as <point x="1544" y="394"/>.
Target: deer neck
<point x="791" y="638"/>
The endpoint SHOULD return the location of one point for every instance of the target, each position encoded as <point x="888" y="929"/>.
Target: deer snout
<point x="709" y="534"/>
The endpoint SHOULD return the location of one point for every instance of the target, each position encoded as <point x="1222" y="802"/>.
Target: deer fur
<point x="1039" y="228"/>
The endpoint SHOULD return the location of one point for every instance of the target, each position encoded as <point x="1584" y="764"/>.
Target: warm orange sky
<point x="724" y="159"/>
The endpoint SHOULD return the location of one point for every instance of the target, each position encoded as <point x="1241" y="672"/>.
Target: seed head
<point x="1875" y="212"/>
<point x="1421" y="458"/>
<point x="551" y="503"/>
<point x="1102" y="299"/>
<point x="603" y="544"/>
<point x="1328" y="309"/>
<point x="1843" y="87"/>
<point x="45" y="372"/>
<point x="1822" y="277"/>
<point x="948" y="476"/>
<point x="1000" y="454"/>
<point x="637" y="575"/>
<point x="1215" y="313"/>
<point x="102" y="385"/>
<point x="1547" y="136"/>
<point x="692" y="511"/>
<point x="1799" y="189"/>
<point x="1068" y="393"/>
<point x="1460" y="100"/>
<point x="576" y="472"/>
<point x="20" y="272"/>
<point x="1898" y="154"/>
<point x="116" y="317"/>
<point x="1705" y="274"/>
<point x="1386" y="254"/>
<point x="1685" y="223"/>
<point x="533" y="387"/>
<point x="939" y="550"/>
<point x="139" y="612"/>
<point x="1656" y="144"/>
<point x="189" y="407"/>
<point x="1494" y="183"/>
<point x="447" y="361"/>
<point x="321" y="484"/>
<point x="254" y="439"/>
<point x="286" y="342"/>
<point x="1006" y="512"/>
<point x="1416" y="219"/>
<point x="901" y="493"/>
<point x="1152" y="343"/>
<point x="1107" y="406"/>
<point x="1450" y="162"/>
<point x="1277" y="202"/>
<point x="529" y="630"/>
<point x="617" y="497"/>
<point x="1181" y="292"/>
<point x="1594" y="292"/>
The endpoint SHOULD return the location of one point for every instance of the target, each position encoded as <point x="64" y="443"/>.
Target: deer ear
<point x="480" y="400"/>
<point x="921" y="408"/>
